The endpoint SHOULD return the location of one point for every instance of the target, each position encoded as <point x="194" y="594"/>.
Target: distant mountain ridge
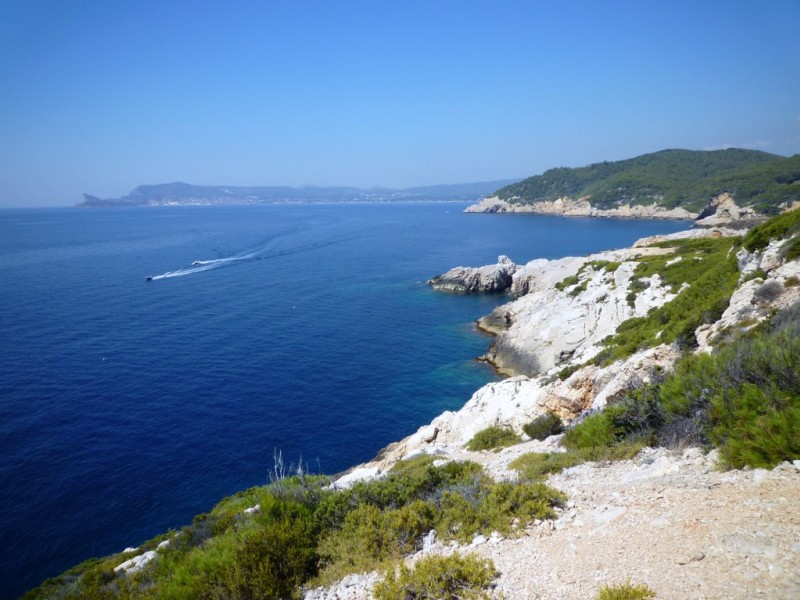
<point x="670" y="179"/>
<point x="179" y="193"/>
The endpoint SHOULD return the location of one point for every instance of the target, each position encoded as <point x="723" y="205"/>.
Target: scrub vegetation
<point x="670" y="178"/>
<point x="706" y="276"/>
<point x="453" y="577"/>
<point x="743" y="399"/>
<point x="625" y="591"/>
<point x="493" y="438"/>
<point x="306" y="534"/>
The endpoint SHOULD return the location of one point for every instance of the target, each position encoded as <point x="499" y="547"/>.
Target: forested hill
<point x="671" y="178"/>
<point x="185" y="193"/>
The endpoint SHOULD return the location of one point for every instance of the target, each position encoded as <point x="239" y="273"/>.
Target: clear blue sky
<point x="102" y="96"/>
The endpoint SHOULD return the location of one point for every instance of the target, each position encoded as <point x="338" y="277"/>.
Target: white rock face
<point x="135" y="564"/>
<point x="755" y="300"/>
<point x="581" y="207"/>
<point x="547" y="327"/>
<point x="352" y="587"/>
<point x="723" y="210"/>
<point x="468" y="280"/>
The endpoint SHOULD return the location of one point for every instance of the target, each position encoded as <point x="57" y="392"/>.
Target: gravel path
<point x="670" y="521"/>
<point x="667" y="519"/>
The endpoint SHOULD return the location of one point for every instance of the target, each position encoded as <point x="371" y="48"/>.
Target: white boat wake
<point x="199" y="266"/>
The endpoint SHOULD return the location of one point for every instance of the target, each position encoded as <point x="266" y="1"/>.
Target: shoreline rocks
<point x="581" y="207"/>
<point x="489" y="279"/>
<point x="721" y="210"/>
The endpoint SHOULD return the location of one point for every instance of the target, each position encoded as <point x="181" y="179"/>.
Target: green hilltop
<point x="670" y="178"/>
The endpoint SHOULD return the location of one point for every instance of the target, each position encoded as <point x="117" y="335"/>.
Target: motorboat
<point x="149" y="278"/>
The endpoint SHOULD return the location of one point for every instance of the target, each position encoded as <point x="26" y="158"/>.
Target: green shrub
<point x="535" y="466"/>
<point x="369" y="537"/>
<point x="567" y="371"/>
<point x="634" y="287"/>
<point x="544" y="426"/>
<point x="576" y="290"/>
<point x="567" y="282"/>
<point x="777" y="227"/>
<point x="757" y="274"/>
<point x="745" y="398"/>
<point x="453" y="577"/>
<point x="791" y="249"/>
<point x="625" y="591"/>
<point x="492" y="438"/>
<point x="273" y="561"/>
<point x="711" y="281"/>
<point x="791" y="281"/>
<point x="595" y="430"/>
<point x="768" y="292"/>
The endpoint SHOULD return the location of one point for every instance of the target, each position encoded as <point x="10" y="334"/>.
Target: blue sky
<point x="101" y="96"/>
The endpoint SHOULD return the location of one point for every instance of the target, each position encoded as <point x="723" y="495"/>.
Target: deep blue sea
<point x="127" y="406"/>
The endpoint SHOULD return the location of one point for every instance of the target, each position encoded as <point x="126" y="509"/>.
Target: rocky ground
<point x="667" y="519"/>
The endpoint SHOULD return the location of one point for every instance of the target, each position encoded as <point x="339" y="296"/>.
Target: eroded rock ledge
<point x="491" y="279"/>
<point x="581" y="207"/>
<point x="721" y="210"/>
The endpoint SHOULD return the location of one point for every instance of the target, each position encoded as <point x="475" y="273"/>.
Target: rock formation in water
<point x="489" y="279"/>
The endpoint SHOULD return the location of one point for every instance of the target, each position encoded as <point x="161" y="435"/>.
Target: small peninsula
<point x="713" y="187"/>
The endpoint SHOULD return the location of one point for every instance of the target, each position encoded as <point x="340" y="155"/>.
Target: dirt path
<point x="669" y="521"/>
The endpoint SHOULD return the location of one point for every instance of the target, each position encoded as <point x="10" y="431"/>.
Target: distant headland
<point x="179" y="194"/>
<point x="712" y="186"/>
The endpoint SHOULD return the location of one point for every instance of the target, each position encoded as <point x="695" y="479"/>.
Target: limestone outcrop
<point x="581" y="207"/>
<point x="723" y="210"/>
<point x="767" y="283"/>
<point x="491" y="279"/>
<point x="741" y="550"/>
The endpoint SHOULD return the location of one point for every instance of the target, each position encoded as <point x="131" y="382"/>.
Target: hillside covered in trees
<point x="670" y="178"/>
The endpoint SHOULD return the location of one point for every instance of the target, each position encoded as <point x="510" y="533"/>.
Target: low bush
<point x="777" y="227"/>
<point x="544" y="426"/>
<point x="745" y="398"/>
<point x="535" y="466"/>
<point x="768" y="292"/>
<point x="711" y="281"/>
<point x="791" y="249"/>
<point x="593" y="431"/>
<point x="567" y="371"/>
<point x="567" y="282"/>
<point x="625" y="591"/>
<point x="453" y="577"/>
<point x="492" y="438"/>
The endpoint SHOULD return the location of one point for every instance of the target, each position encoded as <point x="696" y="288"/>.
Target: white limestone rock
<point x="723" y="210"/>
<point x="580" y="207"/>
<point x="490" y="279"/>
<point x="135" y="564"/>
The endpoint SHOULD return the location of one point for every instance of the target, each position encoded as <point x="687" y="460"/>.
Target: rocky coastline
<point x="667" y="517"/>
<point x="721" y="210"/>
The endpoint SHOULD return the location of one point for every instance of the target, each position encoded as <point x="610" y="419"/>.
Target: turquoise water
<point x="129" y="406"/>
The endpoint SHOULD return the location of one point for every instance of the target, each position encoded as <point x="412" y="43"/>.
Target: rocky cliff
<point x="669" y="518"/>
<point x="489" y="279"/>
<point x="569" y="207"/>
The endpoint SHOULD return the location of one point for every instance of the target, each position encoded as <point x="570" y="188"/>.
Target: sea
<point x="128" y="406"/>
